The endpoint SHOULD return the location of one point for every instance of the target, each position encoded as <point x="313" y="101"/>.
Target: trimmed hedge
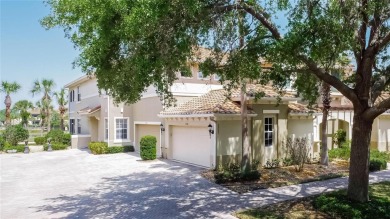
<point x="56" y="146"/>
<point x="148" y="147"/>
<point x="15" y="133"/>
<point x="8" y="146"/>
<point x="119" y="149"/>
<point x="377" y="164"/>
<point x="98" y="147"/>
<point x="40" y="140"/>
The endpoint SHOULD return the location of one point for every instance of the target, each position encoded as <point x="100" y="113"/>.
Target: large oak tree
<point x="130" y="45"/>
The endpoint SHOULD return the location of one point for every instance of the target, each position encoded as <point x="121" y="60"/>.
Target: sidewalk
<point x="274" y="195"/>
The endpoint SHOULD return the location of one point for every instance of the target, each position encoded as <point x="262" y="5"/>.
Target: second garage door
<point x="153" y="130"/>
<point x="191" y="145"/>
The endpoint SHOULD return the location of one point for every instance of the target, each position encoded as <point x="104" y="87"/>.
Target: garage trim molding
<point x="146" y="123"/>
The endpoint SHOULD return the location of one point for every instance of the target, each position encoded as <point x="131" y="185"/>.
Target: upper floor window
<point x="217" y="77"/>
<point x="184" y="74"/>
<point x="78" y="94"/>
<point x="71" y="96"/>
<point x="268" y="131"/>
<point x="201" y="76"/>
<point x="121" y="129"/>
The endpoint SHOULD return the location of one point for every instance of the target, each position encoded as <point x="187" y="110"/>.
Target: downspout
<point x="108" y="119"/>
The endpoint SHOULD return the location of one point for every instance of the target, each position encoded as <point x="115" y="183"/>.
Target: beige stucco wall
<point x="383" y="133"/>
<point x="229" y="142"/>
<point x="302" y="126"/>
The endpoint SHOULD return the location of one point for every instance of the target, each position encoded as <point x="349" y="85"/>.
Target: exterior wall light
<point x="162" y="128"/>
<point x="211" y="130"/>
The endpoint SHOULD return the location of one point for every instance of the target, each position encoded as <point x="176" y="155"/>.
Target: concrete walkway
<point x="76" y="184"/>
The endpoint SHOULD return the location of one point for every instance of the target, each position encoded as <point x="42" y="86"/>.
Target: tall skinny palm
<point x="45" y="87"/>
<point x="23" y="106"/>
<point x="62" y="100"/>
<point x="8" y="88"/>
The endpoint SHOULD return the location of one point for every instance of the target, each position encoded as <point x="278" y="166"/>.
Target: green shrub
<point x="15" y="133"/>
<point x="379" y="155"/>
<point x="233" y="173"/>
<point x="98" y="147"/>
<point x="55" y="135"/>
<point x="40" y="140"/>
<point x="339" y="137"/>
<point x="148" y="147"/>
<point x="67" y="139"/>
<point x="2" y="142"/>
<point x="340" y="153"/>
<point x="8" y="146"/>
<point x="119" y="149"/>
<point x="377" y="164"/>
<point x="56" y="146"/>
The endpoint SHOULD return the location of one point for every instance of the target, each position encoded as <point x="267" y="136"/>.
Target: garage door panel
<point x="153" y="130"/>
<point x="191" y="145"/>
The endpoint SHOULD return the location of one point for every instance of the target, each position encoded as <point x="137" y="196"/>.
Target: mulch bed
<point x="283" y="176"/>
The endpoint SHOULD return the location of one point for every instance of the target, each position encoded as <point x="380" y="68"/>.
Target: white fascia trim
<point x="233" y="115"/>
<point x="89" y="96"/>
<point x="187" y="94"/>
<point x="185" y="116"/>
<point x="146" y="123"/>
<point x="268" y="98"/>
<point x="148" y="96"/>
<point x="271" y="111"/>
<point x="77" y="136"/>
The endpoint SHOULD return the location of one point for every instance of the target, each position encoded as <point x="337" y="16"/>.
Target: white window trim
<point x="274" y="131"/>
<point x="128" y="130"/>
<point x="105" y="128"/>
<point x="203" y="77"/>
<point x="215" y="77"/>
<point x="186" y="77"/>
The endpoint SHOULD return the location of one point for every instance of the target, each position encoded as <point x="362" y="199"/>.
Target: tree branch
<point x="333" y="81"/>
<point x="376" y="110"/>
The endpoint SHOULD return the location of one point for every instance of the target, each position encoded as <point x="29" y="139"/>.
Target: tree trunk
<point x="246" y="148"/>
<point x="360" y="155"/>
<point x="62" y="122"/>
<point x="325" y="92"/>
<point x="7" y="103"/>
<point x="48" y="120"/>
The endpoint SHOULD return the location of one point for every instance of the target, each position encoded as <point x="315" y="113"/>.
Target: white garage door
<point x="191" y="145"/>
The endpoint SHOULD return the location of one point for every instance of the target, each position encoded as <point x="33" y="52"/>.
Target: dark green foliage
<point x="377" y="164"/>
<point x="40" y="140"/>
<point x="55" y="135"/>
<point x="340" y="153"/>
<point x="270" y="164"/>
<point x="67" y="138"/>
<point x="56" y="146"/>
<point x="340" y="137"/>
<point x="148" y="147"/>
<point x="233" y="173"/>
<point x="380" y="155"/>
<point x="337" y="205"/>
<point x="119" y="149"/>
<point x="15" y="133"/>
<point x="8" y="146"/>
<point x="98" y="147"/>
<point x="2" y="142"/>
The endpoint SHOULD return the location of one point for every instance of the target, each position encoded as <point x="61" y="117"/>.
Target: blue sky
<point x="29" y="52"/>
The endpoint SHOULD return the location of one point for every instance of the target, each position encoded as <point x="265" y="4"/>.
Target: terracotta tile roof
<point x="301" y="108"/>
<point x="268" y="90"/>
<point x="89" y="110"/>
<point x="213" y="102"/>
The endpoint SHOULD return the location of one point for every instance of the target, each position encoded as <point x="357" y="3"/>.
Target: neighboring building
<point x="94" y="116"/>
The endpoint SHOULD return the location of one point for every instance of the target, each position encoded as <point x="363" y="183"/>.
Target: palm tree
<point x="8" y="88"/>
<point x="45" y="86"/>
<point x="23" y="106"/>
<point x="62" y="100"/>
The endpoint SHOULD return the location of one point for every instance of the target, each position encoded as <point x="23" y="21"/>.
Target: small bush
<point x="15" y="133"/>
<point x="379" y="155"/>
<point x="272" y="164"/>
<point x="377" y="164"/>
<point x="119" y="149"/>
<point x="98" y="147"/>
<point x="2" y="142"/>
<point x="340" y="153"/>
<point x="55" y="135"/>
<point x="40" y="140"/>
<point x="67" y="139"/>
<point x="8" y="146"/>
<point x="148" y="147"/>
<point x="298" y="151"/>
<point x="233" y="173"/>
<point x="56" y="146"/>
<point x="340" y="137"/>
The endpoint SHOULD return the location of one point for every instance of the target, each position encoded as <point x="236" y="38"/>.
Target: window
<point x="78" y="126"/>
<point x="121" y="128"/>
<point x="71" y="96"/>
<point x="71" y="128"/>
<point x="186" y="74"/>
<point x="78" y="94"/>
<point x="105" y="129"/>
<point x="200" y="75"/>
<point x="268" y="131"/>
<point x="217" y="77"/>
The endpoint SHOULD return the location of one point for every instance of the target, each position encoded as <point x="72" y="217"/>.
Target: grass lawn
<point x="329" y="205"/>
<point x="284" y="176"/>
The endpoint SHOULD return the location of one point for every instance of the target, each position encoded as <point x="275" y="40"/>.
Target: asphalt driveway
<point x="76" y="184"/>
